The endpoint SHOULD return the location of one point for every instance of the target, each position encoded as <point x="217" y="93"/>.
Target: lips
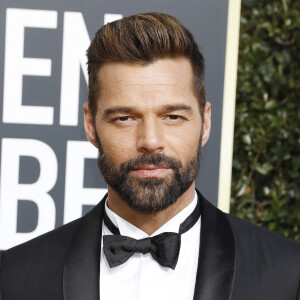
<point x="150" y="171"/>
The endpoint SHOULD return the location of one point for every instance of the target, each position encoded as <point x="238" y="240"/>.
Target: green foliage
<point x="266" y="159"/>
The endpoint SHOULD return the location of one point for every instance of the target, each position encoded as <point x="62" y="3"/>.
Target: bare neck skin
<point x="148" y="223"/>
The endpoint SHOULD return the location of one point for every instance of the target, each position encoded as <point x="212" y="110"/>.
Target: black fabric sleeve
<point x="1" y="256"/>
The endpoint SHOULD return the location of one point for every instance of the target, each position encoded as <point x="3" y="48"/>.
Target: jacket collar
<point x="216" y="266"/>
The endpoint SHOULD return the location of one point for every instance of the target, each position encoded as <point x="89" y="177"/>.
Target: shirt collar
<point x="132" y="231"/>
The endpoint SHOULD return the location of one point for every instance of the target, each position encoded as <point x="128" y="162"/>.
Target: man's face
<point x="148" y="130"/>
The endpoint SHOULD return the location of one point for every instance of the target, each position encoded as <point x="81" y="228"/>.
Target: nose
<point x="150" y="137"/>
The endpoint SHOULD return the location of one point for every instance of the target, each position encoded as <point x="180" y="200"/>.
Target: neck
<point x="148" y="223"/>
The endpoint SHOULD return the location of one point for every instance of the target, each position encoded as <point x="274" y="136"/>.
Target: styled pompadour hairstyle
<point x="143" y="39"/>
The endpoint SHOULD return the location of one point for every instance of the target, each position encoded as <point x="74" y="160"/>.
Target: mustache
<point x="154" y="159"/>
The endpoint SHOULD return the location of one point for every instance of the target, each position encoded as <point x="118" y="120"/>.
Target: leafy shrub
<point x="266" y="159"/>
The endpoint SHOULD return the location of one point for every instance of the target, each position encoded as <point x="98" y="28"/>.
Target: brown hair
<point x="143" y="39"/>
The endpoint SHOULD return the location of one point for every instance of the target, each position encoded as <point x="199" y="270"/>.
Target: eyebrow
<point x="117" y="110"/>
<point x="176" y="107"/>
<point x="164" y="108"/>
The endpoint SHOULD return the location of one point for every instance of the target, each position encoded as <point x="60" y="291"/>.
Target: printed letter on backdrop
<point x="11" y="191"/>
<point x="16" y="66"/>
<point x="75" y="194"/>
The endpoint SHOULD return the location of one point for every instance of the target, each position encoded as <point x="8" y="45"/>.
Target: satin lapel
<point x="216" y="266"/>
<point x="82" y="262"/>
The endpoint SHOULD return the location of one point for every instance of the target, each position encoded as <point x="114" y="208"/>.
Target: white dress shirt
<point x="142" y="277"/>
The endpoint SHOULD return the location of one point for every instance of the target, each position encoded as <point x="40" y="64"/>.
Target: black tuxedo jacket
<point x="237" y="261"/>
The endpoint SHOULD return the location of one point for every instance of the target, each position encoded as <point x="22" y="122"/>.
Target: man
<point x="152" y="236"/>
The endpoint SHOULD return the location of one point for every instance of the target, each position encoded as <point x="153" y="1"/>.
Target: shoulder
<point x="53" y="244"/>
<point x="36" y="268"/>
<point x="266" y="263"/>
<point x="252" y="236"/>
<point x="52" y="241"/>
<point x="264" y="260"/>
<point x="247" y="236"/>
<point x="40" y="251"/>
<point x="36" y="265"/>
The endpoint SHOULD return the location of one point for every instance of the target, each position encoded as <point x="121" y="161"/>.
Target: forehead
<point x="162" y="81"/>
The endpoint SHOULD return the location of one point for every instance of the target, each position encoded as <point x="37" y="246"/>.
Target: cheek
<point x="117" y="148"/>
<point x="184" y="145"/>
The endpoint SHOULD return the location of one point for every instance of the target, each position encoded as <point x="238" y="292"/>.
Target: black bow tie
<point x="163" y="247"/>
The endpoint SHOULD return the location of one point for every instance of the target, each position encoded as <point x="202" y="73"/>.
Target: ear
<point x="206" y="123"/>
<point x="89" y="127"/>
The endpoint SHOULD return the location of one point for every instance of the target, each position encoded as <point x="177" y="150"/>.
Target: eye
<point x="173" y="117"/>
<point x="123" y="121"/>
<point x="123" y="118"/>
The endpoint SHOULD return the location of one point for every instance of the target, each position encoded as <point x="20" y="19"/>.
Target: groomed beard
<point x="150" y="195"/>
